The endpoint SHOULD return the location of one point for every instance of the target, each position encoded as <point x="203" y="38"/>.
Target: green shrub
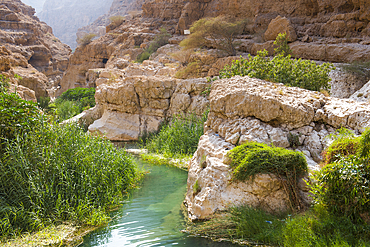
<point x="67" y="109"/>
<point x="73" y="102"/>
<point x="344" y="144"/>
<point x="4" y="84"/>
<point x="17" y="116"/>
<point x="117" y="20"/>
<point x="196" y="187"/>
<point x="86" y="39"/>
<point x="282" y="46"/>
<point x="281" y="69"/>
<point x="254" y="158"/>
<point x="219" y="32"/>
<point x="179" y="137"/>
<point x="77" y="94"/>
<point x="343" y="185"/>
<point x="159" y="40"/>
<point x="59" y="173"/>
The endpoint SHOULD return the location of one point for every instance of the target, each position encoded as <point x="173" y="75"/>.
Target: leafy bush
<point x="17" y="116"/>
<point x="282" y="46"/>
<point x="78" y="94"/>
<point x="219" y="31"/>
<point x="4" y="84"/>
<point x="160" y="40"/>
<point x="281" y="69"/>
<point x="73" y="102"/>
<point x="117" y="20"/>
<point x="192" y="70"/>
<point x="343" y="185"/>
<point x="86" y="39"/>
<point x="55" y="173"/>
<point x="344" y="144"/>
<point x="179" y="137"/>
<point x="253" y="158"/>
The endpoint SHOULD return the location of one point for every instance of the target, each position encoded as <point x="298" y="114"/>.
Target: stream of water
<point x="152" y="215"/>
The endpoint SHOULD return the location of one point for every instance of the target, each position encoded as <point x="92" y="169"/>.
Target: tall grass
<point x="179" y="137"/>
<point x="54" y="174"/>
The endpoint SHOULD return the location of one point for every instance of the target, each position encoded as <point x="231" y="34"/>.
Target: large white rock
<point x="218" y="192"/>
<point x="244" y="109"/>
<point x="362" y="95"/>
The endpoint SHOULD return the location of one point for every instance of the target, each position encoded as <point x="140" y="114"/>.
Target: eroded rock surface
<point x="245" y="109"/>
<point x="29" y="48"/>
<point x="138" y="98"/>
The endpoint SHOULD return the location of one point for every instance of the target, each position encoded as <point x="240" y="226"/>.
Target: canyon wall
<point x="29" y="48"/>
<point x="66" y="17"/>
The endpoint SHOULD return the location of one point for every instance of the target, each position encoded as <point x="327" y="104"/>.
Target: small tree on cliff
<point x="219" y="32"/>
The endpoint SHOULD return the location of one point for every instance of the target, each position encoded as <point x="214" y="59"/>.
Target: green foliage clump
<point x="219" y="32"/>
<point x="73" y="102"/>
<point x="343" y="185"/>
<point x="86" y="39"/>
<point x="179" y="137"/>
<point x="196" y="187"/>
<point x="281" y="69"/>
<point x="117" y="20"/>
<point x="253" y="158"/>
<point x="282" y="46"/>
<point x="17" y="116"/>
<point x="4" y="84"/>
<point x="59" y="173"/>
<point x="345" y="143"/>
<point x="160" y="40"/>
<point x="50" y="174"/>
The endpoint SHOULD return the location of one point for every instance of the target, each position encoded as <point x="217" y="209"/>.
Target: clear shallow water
<point x="152" y="216"/>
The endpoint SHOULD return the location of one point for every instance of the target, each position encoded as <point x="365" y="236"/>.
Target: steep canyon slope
<point x="29" y="47"/>
<point x="65" y="17"/>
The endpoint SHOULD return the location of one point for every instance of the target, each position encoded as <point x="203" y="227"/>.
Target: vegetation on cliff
<point x="219" y="32"/>
<point x="339" y="215"/>
<point x="282" y="69"/>
<point x="51" y="174"/>
<point x="159" y="40"/>
<point x="70" y="103"/>
<point x="254" y="158"/>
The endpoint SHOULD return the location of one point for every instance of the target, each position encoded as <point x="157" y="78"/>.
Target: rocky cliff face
<point x="119" y="8"/>
<point x="244" y="109"/>
<point x="326" y="18"/>
<point x="66" y="17"/>
<point x="29" y="47"/>
<point x="335" y="31"/>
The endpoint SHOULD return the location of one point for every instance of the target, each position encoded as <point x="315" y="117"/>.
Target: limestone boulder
<point x="133" y="105"/>
<point x="218" y="192"/>
<point x="362" y="95"/>
<point x="280" y="25"/>
<point x="243" y="109"/>
<point x="32" y="79"/>
<point x="344" y="84"/>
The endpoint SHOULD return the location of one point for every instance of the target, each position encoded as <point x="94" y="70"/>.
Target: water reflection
<point x="152" y="216"/>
